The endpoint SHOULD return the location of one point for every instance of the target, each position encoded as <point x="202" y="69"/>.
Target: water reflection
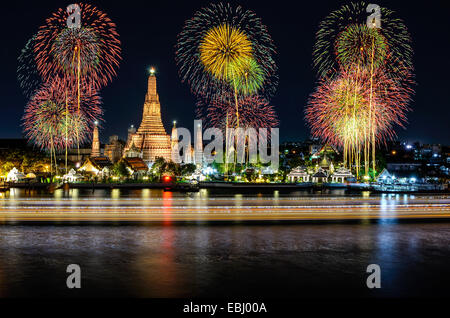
<point x="167" y="203"/>
<point x="208" y="261"/>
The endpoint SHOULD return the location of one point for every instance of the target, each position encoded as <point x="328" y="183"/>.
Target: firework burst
<point x="347" y="113"/>
<point x="90" y="53"/>
<point x="365" y="81"/>
<point x="51" y="120"/>
<point x="247" y="78"/>
<point x="223" y="49"/>
<point x="344" y="39"/>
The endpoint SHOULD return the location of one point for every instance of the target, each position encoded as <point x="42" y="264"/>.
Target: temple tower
<point x="198" y="144"/>
<point x="131" y="132"/>
<point x="174" y="138"/>
<point x="151" y="138"/>
<point x="95" y="143"/>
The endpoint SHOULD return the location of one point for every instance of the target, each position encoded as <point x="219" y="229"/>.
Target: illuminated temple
<point x="151" y="138"/>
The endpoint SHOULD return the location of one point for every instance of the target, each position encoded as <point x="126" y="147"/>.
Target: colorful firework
<point x="52" y="121"/>
<point x="344" y="39"/>
<point x="248" y="78"/>
<point x="366" y="77"/>
<point x="90" y="54"/>
<point x="348" y="113"/>
<point x="223" y="46"/>
<point x="357" y="44"/>
<point x="219" y="45"/>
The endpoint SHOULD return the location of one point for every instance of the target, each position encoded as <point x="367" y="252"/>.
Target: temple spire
<point x="152" y="92"/>
<point x="151" y="138"/>
<point x="174" y="137"/>
<point x="95" y="142"/>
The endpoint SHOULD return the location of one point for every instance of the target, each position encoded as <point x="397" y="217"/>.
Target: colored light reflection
<point x="115" y="194"/>
<point x="167" y="207"/>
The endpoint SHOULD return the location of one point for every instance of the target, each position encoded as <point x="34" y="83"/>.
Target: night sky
<point x="148" y="31"/>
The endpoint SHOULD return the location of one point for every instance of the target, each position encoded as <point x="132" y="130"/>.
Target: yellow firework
<point x="224" y="46"/>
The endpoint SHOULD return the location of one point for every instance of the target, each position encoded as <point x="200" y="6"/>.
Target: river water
<point x="222" y="260"/>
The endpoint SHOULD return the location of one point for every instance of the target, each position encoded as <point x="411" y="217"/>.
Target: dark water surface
<point x="228" y="260"/>
<point x="325" y="260"/>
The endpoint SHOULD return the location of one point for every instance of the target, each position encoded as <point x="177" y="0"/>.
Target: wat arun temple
<point x="151" y="139"/>
<point x="146" y="143"/>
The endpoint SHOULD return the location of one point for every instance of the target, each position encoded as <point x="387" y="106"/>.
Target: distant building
<point x="403" y="166"/>
<point x="325" y="151"/>
<point x="320" y="176"/>
<point x="136" y="166"/>
<point x="342" y="175"/>
<point x="15" y="175"/>
<point x="98" y="166"/>
<point x="399" y="176"/>
<point x="114" y="149"/>
<point x="76" y="155"/>
<point x="174" y="137"/>
<point x="133" y="152"/>
<point x="298" y="174"/>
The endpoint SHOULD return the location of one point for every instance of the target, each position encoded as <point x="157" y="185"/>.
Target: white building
<point x="341" y="175"/>
<point x="15" y="175"/>
<point x="298" y="174"/>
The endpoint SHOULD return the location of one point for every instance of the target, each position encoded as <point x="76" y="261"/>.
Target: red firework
<point x="52" y="120"/>
<point x="90" y="54"/>
<point x="254" y="112"/>
<point x="349" y="108"/>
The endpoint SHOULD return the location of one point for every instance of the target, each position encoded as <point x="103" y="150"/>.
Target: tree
<point x="159" y="166"/>
<point x="173" y="168"/>
<point x="26" y="160"/>
<point x="188" y="169"/>
<point x="120" y="170"/>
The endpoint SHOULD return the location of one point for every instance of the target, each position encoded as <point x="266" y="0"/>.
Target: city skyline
<point x="296" y="74"/>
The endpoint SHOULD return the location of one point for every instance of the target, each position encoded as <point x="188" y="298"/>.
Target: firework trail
<point x="341" y="113"/>
<point x="27" y="72"/>
<point x="254" y="113"/>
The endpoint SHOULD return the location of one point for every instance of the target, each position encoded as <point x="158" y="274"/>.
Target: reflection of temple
<point x="151" y="138"/>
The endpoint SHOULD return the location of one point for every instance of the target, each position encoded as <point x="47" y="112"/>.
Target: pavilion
<point x="298" y="174"/>
<point x="320" y="176"/>
<point x="341" y="175"/>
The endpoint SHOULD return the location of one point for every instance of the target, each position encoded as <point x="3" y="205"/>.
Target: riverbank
<point x="238" y="186"/>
